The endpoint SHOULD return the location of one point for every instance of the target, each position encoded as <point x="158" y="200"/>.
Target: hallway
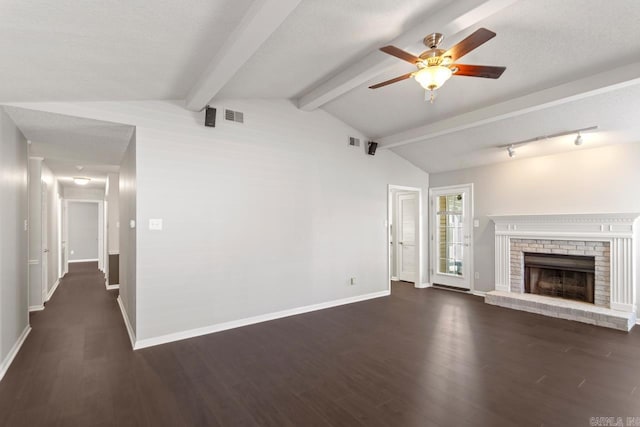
<point x="73" y="367"/>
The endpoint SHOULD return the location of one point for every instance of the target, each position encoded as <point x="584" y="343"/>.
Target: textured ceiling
<point x="319" y="38"/>
<point x="541" y="42"/>
<point x="68" y="50"/>
<point x="66" y="142"/>
<point x="477" y="146"/>
<point x="65" y="50"/>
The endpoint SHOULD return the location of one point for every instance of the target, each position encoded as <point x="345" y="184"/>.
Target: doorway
<point x="83" y="232"/>
<point x="451" y="236"/>
<point x="404" y="231"/>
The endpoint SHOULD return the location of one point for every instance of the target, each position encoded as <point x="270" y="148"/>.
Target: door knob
<point x="400" y="242"/>
<point x="46" y="250"/>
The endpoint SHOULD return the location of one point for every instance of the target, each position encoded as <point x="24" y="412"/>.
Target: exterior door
<point x="451" y="239"/>
<point x="406" y="233"/>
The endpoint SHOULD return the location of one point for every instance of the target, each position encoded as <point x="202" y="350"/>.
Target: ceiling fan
<point x="436" y="66"/>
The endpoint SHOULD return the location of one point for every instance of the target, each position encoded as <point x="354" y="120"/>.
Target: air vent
<point x="354" y="142"/>
<point x="233" y="116"/>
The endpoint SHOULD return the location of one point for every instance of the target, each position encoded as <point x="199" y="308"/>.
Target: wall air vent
<point x="233" y="116"/>
<point x="354" y="142"/>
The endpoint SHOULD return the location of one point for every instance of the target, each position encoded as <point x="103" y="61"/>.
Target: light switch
<point x="476" y="223"/>
<point x="132" y="223"/>
<point x="155" y="224"/>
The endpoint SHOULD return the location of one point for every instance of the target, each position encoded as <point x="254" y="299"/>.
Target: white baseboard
<point x="177" y="336"/>
<point x="71" y="261"/>
<point x="423" y="285"/>
<point x="4" y="365"/>
<point x="36" y="308"/>
<point x="479" y="293"/>
<point x="395" y="279"/>
<point x="132" y="335"/>
<point x="111" y="287"/>
<point x="53" y="289"/>
<point x="114" y="253"/>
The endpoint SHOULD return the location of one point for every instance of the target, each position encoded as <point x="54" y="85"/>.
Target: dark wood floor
<point x="417" y="358"/>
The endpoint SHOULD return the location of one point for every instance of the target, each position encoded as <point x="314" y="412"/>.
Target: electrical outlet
<point x="352" y="281"/>
<point x="477" y="275"/>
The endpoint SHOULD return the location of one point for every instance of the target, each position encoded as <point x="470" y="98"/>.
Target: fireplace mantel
<point x="559" y="226"/>
<point x="621" y="230"/>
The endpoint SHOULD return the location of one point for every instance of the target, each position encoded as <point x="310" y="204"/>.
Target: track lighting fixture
<point x="511" y="148"/>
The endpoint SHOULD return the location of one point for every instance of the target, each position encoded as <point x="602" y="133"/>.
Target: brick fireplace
<point x="578" y="267"/>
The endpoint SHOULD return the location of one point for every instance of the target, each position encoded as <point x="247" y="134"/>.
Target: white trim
<point x="177" y="336"/>
<point x="125" y="317"/>
<point x="4" y="365"/>
<point x="479" y="293"/>
<point x="111" y="287"/>
<point x="36" y="308"/>
<point x="423" y="285"/>
<point x="114" y="252"/>
<point x="71" y="261"/>
<point x="419" y="232"/>
<point x="394" y="279"/>
<point x="433" y="253"/>
<point x="53" y="289"/>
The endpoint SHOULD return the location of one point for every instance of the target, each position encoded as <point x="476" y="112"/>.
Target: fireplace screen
<point x="564" y="276"/>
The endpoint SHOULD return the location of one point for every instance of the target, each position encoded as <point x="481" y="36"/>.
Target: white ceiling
<point x="541" y="42"/>
<point x="66" y="50"/>
<point x="477" y="146"/>
<point x="319" y="38"/>
<point x="62" y="50"/>
<point x="66" y="142"/>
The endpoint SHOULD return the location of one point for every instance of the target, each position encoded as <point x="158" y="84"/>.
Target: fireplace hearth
<point x="563" y="276"/>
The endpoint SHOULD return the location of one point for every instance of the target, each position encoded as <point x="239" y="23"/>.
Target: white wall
<point x="14" y="318"/>
<point x="70" y="192"/>
<point x="83" y="230"/>
<point x="127" y="237"/>
<point x="113" y="213"/>
<point x="274" y="214"/>
<point x="595" y="180"/>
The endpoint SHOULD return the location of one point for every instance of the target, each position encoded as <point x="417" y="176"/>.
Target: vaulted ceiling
<point x="569" y="63"/>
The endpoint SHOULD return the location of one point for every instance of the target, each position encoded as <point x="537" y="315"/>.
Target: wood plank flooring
<point x="417" y="358"/>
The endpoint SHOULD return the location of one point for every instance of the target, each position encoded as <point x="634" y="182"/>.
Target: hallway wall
<point x="128" y="235"/>
<point x="14" y="318"/>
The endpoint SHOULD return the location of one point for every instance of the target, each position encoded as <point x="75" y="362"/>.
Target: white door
<point x="406" y="236"/>
<point x="64" y="247"/>
<point x="451" y="239"/>
<point x="45" y="243"/>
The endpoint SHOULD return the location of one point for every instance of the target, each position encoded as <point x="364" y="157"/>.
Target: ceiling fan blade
<point x="388" y="82"/>
<point x="485" y="71"/>
<point x="399" y="53"/>
<point x="476" y="39"/>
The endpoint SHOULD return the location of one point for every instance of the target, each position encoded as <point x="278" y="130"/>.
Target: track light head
<point x="512" y="151"/>
<point x="578" y="140"/>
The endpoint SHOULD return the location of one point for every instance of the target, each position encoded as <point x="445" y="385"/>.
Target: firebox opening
<point x="564" y="276"/>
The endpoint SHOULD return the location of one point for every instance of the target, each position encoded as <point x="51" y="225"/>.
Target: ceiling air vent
<point x="354" y="142"/>
<point x="233" y="116"/>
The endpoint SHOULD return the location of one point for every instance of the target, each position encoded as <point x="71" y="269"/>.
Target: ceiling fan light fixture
<point x="431" y="78"/>
<point x="578" y="141"/>
<point x="512" y="151"/>
<point x="78" y="180"/>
